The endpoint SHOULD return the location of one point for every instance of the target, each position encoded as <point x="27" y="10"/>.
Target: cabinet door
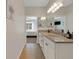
<point x="45" y="51"/>
<point x="41" y="40"/>
<point x="49" y="49"/>
<point x="64" y="51"/>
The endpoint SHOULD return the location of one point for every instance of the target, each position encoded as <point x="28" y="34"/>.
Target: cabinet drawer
<point x="49" y="48"/>
<point x="49" y="43"/>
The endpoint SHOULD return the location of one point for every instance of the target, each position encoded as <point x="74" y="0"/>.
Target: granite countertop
<point x="56" y="37"/>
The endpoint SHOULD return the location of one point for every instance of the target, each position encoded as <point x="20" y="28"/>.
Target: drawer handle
<point x="46" y="44"/>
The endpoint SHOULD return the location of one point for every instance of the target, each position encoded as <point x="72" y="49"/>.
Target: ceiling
<point x="67" y="2"/>
<point x="36" y="3"/>
<point x="43" y="3"/>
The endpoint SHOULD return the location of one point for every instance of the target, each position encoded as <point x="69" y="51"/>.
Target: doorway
<point x="31" y="29"/>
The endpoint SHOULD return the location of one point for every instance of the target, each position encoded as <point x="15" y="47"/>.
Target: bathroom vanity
<point x="55" y="46"/>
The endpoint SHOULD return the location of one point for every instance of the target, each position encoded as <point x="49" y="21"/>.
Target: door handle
<point x="46" y="44"/>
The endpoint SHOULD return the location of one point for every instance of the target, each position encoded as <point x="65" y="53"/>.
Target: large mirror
<point x="54" y="23"/>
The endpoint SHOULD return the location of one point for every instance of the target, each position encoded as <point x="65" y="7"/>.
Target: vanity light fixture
<point x="58" y="6"/>
<point x="55" y="7"/>
<point x="31" y="17"/>
<point x="57" y="17"/>
<point x="43" y="18"/>
<point x="52" y="7"/>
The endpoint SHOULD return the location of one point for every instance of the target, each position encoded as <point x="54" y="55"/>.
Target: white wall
<point x="67" y="13"/>
<point x="69" y="17"/>
<point x="35" y="11"/>
<point x="15" y="37"/>
<point x="50" y="18"/>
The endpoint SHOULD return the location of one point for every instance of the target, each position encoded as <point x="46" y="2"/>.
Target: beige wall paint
<point x="15" y="31"/>
<point x="35" y="11"/>
<point x="67" y="13"/>
<point x="69" y="17"/>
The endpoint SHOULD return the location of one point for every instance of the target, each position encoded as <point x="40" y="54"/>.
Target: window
<point x="29" y="25"/>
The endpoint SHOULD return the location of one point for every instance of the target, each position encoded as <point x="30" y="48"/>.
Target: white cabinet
<point x="47" y="46"/>
<point x="64" y="51"/>
<point x="45" y="51"/>
<point x="49" y="49"/>
<point x="53" y="50"/>
<point x="41" y="40"/>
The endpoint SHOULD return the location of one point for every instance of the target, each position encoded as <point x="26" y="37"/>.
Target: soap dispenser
<point x="68" y="35"/>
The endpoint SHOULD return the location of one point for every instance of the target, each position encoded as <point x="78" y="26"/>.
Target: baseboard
<point x="21" y="51"/>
